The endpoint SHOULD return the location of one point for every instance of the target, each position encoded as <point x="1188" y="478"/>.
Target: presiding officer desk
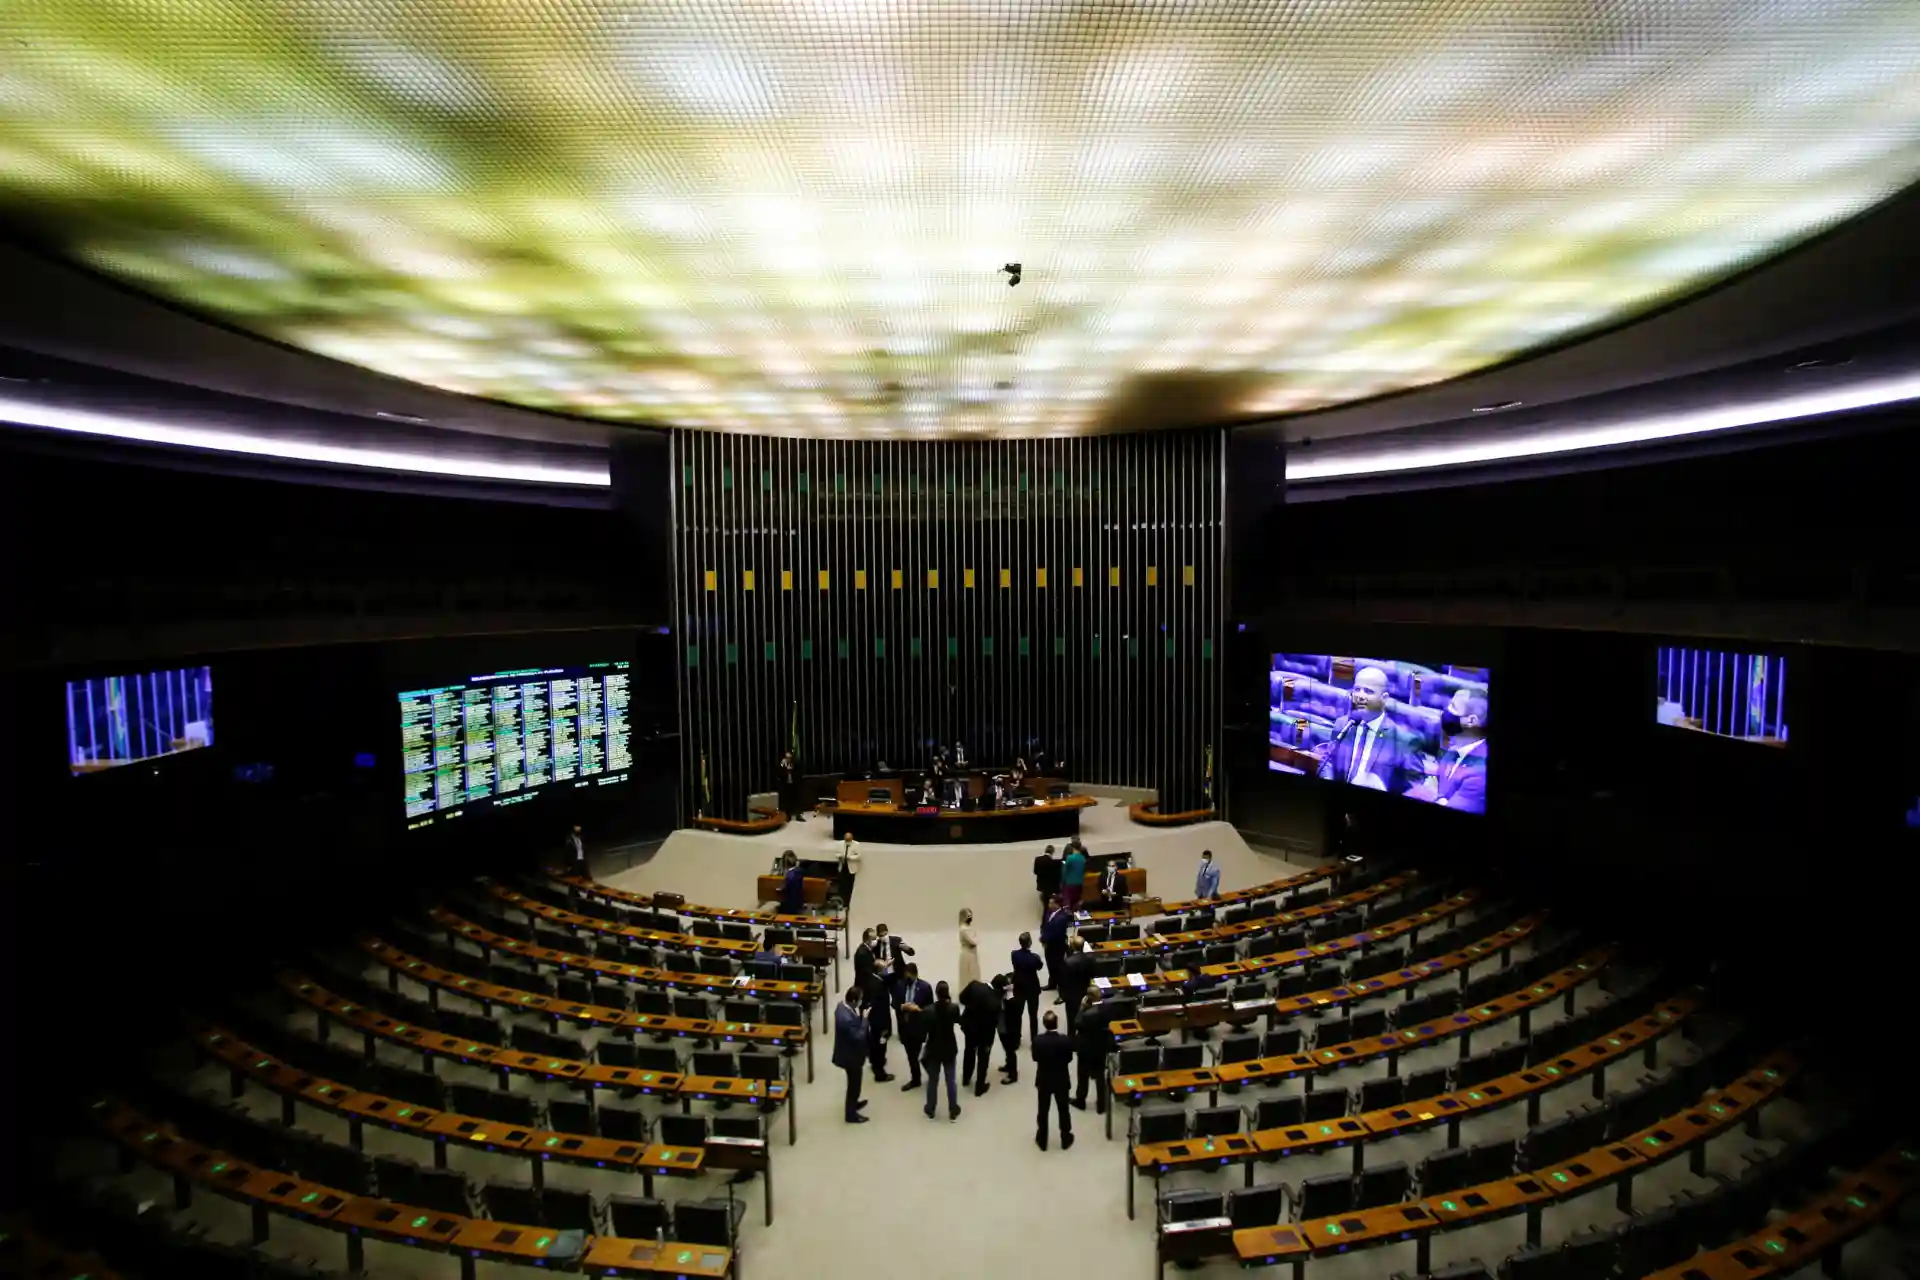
<point x="893" y="824"/>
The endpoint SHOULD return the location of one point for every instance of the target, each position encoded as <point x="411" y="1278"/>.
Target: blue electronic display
<point x="121" y="720"/>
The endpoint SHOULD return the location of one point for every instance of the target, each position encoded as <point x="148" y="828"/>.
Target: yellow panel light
<point x="693" y="225"/>
<point x="1113" y="576"/>
<point x="966" y="576"/>
<point x="825" y="579"/>
<point x="1186" y="575"/>
<point x="933" y="578"/>
<point x="1006" y="577"/>
<point x="897" y="579"/>
<point x="1039" y="577"/>
<point x="746" y="579"/>
<point x="786" y="579"/>
<point x="859" y="579"/>
<point x="1079" y="578"/>
<point x="713" y="579"/>
<point x="1153" y="576"/>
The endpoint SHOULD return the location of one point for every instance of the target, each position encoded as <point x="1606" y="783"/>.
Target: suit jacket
<point x="918" y="992"/>
<point x="1093" y="1031"/>
<point x="891" y="949"/>
<point x="879" y="1006"/>
<point x="793" y="891"/>
<point x="1046" y="874"/>
<point x="1206" y="884"/>
<point x="1392" y="760"/>
<point x="979" y="1009"/>
<point x="849" y="1036"/>
<point x="1076" y="977"/>
<point x="1053" y="930"/>
<point x="1026" y="971"/>
<point x="1052" y="1062"/>
<point x="1112" y="885"/>
<point x="938" y="1023"/>
<point x="864" y="963"/>
<point x="1464" y="788"/>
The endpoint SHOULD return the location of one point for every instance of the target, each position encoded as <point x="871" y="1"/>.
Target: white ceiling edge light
<point x="1667" y="426"/>
<point x="124" y="427"/>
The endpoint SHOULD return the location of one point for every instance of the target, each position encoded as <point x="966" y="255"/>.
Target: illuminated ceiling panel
<point x="787" y="216"/>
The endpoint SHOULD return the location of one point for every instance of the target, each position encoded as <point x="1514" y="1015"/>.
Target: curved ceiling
<point x="785" y="217"/>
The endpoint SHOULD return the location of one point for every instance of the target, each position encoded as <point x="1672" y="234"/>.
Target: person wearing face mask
<point x="969" y="950"/>
<point x="1368" y="749"/>
<point x="1458" y="779"/>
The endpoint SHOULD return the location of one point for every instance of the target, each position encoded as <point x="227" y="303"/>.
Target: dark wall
<point x="1795" y="542"/>
<point x="1118" y="677"/>
<point x="127" y="555"/>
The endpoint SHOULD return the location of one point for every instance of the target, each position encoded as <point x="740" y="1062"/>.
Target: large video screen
<point x="511" y="737"/>
<point x="1729" y="695"/>
<point x="120" y="720"/>
<point x="1386" y="724"/>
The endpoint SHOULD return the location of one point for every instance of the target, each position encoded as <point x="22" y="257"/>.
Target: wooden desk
<point x="737" y="948"/>
<point x="1816" y="1230"/>
<point x="1042" y="820"/>
<point x="357" y="1217"/>
<point x="1232" y="897"/>
<point x="859" y="791"/>
<point x="612" y="1256"/>
<point x="1133" y="881"/>
<point x="1148" y="814"/>
<point x="435" y="978"/>
<point x="607" y="893"/>
<point x="1156" y="941"/>
<point x="663" y="1161"/>
<point x="1339" y="946"/>
<point x="760" y="823"/>
<point x="1157" y="1160"/>
<point x="814" y="892"/>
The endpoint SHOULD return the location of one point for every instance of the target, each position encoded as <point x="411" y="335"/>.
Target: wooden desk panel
<point x="1157" y="941"/>
<point x="1322" y="950"/>
<point x="402" y="1224"/>
<point x="684" y="941"/>
<point x="759" y="988"/>
<point x="813" y="890"/>
<point x="1810" y="1232"/>
<point x="508" y="1242"/>
<point x="1053" y="819"/>
<point x="1389" y="1224"/>
<point x="1233" y="897"/>
<point x="855" y="791"/>
<point x="1194" y="1153"/>
<point x="612" y="1256"/>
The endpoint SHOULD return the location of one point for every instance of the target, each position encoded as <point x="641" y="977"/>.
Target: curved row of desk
<point x="268" y="1193"/>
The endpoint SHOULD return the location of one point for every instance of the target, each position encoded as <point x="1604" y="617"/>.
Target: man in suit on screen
<point x="1458" y="779"/>
<point x="1368" y="748"/>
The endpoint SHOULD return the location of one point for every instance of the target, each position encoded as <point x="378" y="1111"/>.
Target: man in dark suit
<point x="888" y="948"/>
<point x="1053" y="940"/>
<point x="1052" y="1069"/>
<point x="1113" y="884"/>
<point x="850" y="1051"/>
<point x="865" y="959"/>
<point x="1368" y="748"/>
<point x="1046" y="878"/>
<point x="1075" y="980"/>
<point x="979" y="1019"/>
<point x="1025" y="978"/>
<point x="879" y="1004"/>
<point x="1092" y="1042"/>
<point x="789" y="785"/>
<point x="1458" y="779"/>
<point x="793" y="887"/>
<point x="910" y="996"/>
<point x="1010" y="1006"/>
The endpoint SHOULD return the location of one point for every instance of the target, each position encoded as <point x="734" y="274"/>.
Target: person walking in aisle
<point x="942" y="1022"/>
<point x="1053" y="940"/>
<point x="1092" y="1042"/>
<point x="911" y="999"/>
<point x="850" y="1051"/>
<point x="1207" y="883"/>
<point x="979" y="1018"/>
<point x="969" y="950"/>
<point x="1025" y="977"/>
<point x="1052" y="1067"/>
<point x="1073" y="877"/>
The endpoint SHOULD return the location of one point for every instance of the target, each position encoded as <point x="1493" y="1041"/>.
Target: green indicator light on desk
<point x="1664" y="1015"/>
<point x="1559" y="1177"/>
<point x="310" y="1197"/>
<point x="405" y="1112"/>
<point x="1651" y="1141"/>
<point x="1538" y="990"/>
<point x="150" y="1137"/>
<point x="221" y="1167"/>
<point x="1132" y="1084"/>
<point x="400" y="1028"/>
<point x="1776" y="1246"/>
<point x="1772" y="1074"/>
<point x="1553" y="1071"/>
<point x="1717" y="1109"/>
<point x="1474" y="1096"/>
<point x="686" y="1255"/>
<point x="420" y="1221"/>
<point x="1615" y="1043"/>
<point x="264" y="1062"/>
<point x="1450" y="1206"/>
<point x="1333" y="1228"/>
<point x="1326" y="1128"/>
<point x="306" y="988"/>
<point x="347" y="1008"/>
<point x="1856" y="1202"/>
<point x="543" y="1242"/>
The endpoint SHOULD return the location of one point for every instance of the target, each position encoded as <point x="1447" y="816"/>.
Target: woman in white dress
<point x="969" y="950"/>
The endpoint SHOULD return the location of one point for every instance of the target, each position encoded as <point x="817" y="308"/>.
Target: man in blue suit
<point x="850" y="1051"/>
<point x="1458" y="779"/>
<point x="1368" y="748"/>
<point x="1207" y="883"/>
<point x="910" y="996"/>
<point x="793" y="888"/>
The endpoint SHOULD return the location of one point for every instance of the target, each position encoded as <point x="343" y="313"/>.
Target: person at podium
<point x="1368" y="749"/>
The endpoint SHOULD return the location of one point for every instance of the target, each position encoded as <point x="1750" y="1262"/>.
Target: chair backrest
<point x="443" y="1189"/>
<point x="569" y="1210"/>
<point x="1445" y="1171"/>
<point x="1492" y="1161"/>
<point x="652" y="1001"/>
<point x="1280" y="1042"/>
<point x="511" y="1202"/>
<point x="742" y="1011"/>
<point x="1191" y="1206"/>
<point x="1260" y="1206"/>
<point x="739" y="1126"/>
<point x="1212" y="1122"/>
<point x="637" y="1217"/>
<point x="657" y="1057"/>
<point x="1324" y="1197"/>
<point x="622" y="1124"/>
<point x="759" y="1066"/>
<point x="681" y="1131"/>
<point x="1383" y="1184"/>
<point x="1429" y="1083"/>
<point x="1289" y="1112"/>
<point x="1159" y="1124"/>
<point x="615" y="1053"/>
<point x="1183" y="1057"/>
<point x="708" y="1222"/>
<point x="570" y="1117"/>
<point x="692" y="1007"/>
<point x="715" y="1063"/>
<point x="397" y="1179"/>
<point x="1363" y="1026"/>
<point x="784" y="1013"/>
<point x="1326" y="1104"/>
<point x="1137" y="1060"/>
<point x="1242" y="1048"/>
<point x="1388" y="1091"/>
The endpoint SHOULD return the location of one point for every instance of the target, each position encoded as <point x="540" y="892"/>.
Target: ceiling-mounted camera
<point x="1012" y="270"/>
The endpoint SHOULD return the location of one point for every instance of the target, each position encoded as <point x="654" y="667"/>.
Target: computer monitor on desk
<point x="879" y="795"/>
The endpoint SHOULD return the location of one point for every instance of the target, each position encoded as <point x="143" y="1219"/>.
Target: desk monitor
<point x="1728" y="695"/>
<point x="134" y="719"/>
<point x="1410" y="729"/>
<point x="879" y="795"/>
<point x="511" y="737"/>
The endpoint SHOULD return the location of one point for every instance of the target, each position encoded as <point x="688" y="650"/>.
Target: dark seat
<point x="637" y="1217"/>
<point x="1289" y="1112"/>
<point x="567" y="1210"/>
<point x="1261" y="1206"/>
<point x="512" y="1202"/>
<point x="622" y="1124"/>
<point x="1383" y="1184"/>
<point x="570" y="1117"/>
<point x="709" y="1222"/>
<point x="1190" y="1206"/>
<point x="446" y="1190"/>
<point x="1212" y="1122"/>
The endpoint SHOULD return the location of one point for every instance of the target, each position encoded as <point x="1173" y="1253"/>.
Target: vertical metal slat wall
<point x="826" y="582"/>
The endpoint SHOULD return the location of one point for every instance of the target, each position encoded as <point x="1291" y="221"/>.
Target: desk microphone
<point x="1327" y="763"/>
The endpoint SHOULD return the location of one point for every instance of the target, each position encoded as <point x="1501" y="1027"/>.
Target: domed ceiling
<point x="789" y="216"/>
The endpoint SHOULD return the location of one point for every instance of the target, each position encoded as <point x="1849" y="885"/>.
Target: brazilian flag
<point x="793" y="734"/>
<point x="706" y="786"/>
<point x="1206" y="776"/>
